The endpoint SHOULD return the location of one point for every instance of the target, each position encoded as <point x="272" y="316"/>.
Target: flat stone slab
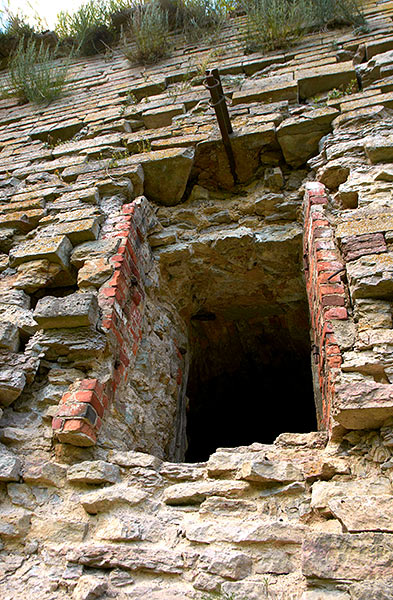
<point x="363" y="405"/>
<point x="102" y="556"/>
<point x="325" y="78"/>
<point x="75" y="310"/>
<point x="162" y="117"/>
<point x="95" y="471"/>
<point x="266" y="471"/>
<point x="55" y="249"/>
<point x="195" y="493"/>
<point x="266" y="90"/>
<point x="116" y="495"/>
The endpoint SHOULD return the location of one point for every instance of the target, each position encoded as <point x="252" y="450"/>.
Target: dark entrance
<point x="250" y="379"/>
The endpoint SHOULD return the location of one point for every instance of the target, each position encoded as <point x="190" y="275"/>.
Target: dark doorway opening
<point x="250" y="379"/>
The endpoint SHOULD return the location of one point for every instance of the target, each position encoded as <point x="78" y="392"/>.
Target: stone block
<point x="75" y="310"/>
<point x="322" y="79"/>
<point x="155" y="560"/>
<point x="371" y="276"/>
<point x="9" y="336"/>
<point x="36" y="274"/>
<point x="299" y="136"/>
<point x="325" y="594"/>
<point x="55" y="250"/>
<point x="267" y="91"/>
<point x="76" y="231"/>
<point x="44" y="473"/>
<point x="75" y="343"/>
<point x="229" y="564"/>
<point x="373" y="589"/>
<point x="96" y="471"/>
<point x="114" y="529"/>
<point x="162" y="116"/>
<point x="10" y="466"/>
<point x="373" y="223"/>
<point x="94" y="273"/>
<point x="364" y="513"/>
<point x="107" y="498"/>
<point x="379" y="148"/>
<point x="172" y="166"/>
<point x="266" y="471"/>
<point x="363" y="404"/>
<point x="351" y="556"/>
<point x="195" y="493"/>
<point x="354" y="247"/>
<point x="100" y="249"/>
<point x="89" y="587"/>
<point x="132" y="459"/>
<point x="21" y="318"/>
<point x="12" y="383"/>
<point x="373" y="314"/>
<point x="333" y="174"/>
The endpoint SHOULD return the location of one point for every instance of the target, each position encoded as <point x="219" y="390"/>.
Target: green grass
<point x="149" y="31"/>
<point x="33" y="75"/>
<point x="272" y="24"/>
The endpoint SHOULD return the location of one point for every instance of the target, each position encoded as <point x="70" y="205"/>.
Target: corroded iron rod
<point x="213" y="84"/>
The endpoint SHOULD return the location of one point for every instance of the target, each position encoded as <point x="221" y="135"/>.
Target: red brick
<point x="338" y="312"/>
<point x="83" y="395"/>
<point x="333" y="300"/>
<point x="79" y="426"/>
<point x="128" y="209"/>
<point x="57" y="423"/>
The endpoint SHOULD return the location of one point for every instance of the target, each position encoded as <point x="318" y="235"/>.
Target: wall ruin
<point x="141" y="290"/>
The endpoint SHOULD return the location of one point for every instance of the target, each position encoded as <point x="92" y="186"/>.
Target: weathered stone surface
<point x="299" y="137"/>
<point x="162" y="117"/>
<point x="9" y="336"/>
<point x="321" y="79"/>
<point x="270" y="89"/>
<point x="325" y="594"/>
<point x="371" y="276"/>
<point x="36" y="274"/>
<point x="356" y="246"/>
<point x="81" y="342"/>
<point x="195" y="493"/>
<point x="324" y="492"/>
<point x="374" y="589"/>
<point x="172" y="166"/>
<point x="97" y="471"/>
<point x="105" y="499"/>
<point x="89" y="588"/>
<point x="100" y="249"/>
<point x="135" y="459"/>
<point x="12" y="383"/>
<point x="241" y="532"/>
<point x="379" y="149"/>
<point x="364" y="513"/>
<point x="21" y="317"/>
<point x="55" y="250"/>
<point x="75" y="310"/>
<point x="10" y="466"/>
<point x="44" y="473"/>
<point x="355" y="556"/>
<point x="231" y="565"/>
<point x="94" y="273"/>
<point x="270" y="471"/>
<point x="14" y="524"/>
<point x="59" y="530"/>
<point x="333" y="174"/>
<point x="156" y="560"/>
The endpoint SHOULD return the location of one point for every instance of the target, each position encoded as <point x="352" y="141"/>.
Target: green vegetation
<point x="197" y="18"/>
<point x="277" y="23"/>
<point x="273" y="23"/>
<point x="34" y="77"/>
<point x="150" y="30"/>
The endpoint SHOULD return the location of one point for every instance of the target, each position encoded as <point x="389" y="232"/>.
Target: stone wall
<point x="139" y="284"/>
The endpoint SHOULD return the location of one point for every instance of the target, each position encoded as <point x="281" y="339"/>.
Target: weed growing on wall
<point x="34" y="76"/>
<point x="150" y="33"/>
<point x="274" y="24"/>
<point x="198" y="18"/>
